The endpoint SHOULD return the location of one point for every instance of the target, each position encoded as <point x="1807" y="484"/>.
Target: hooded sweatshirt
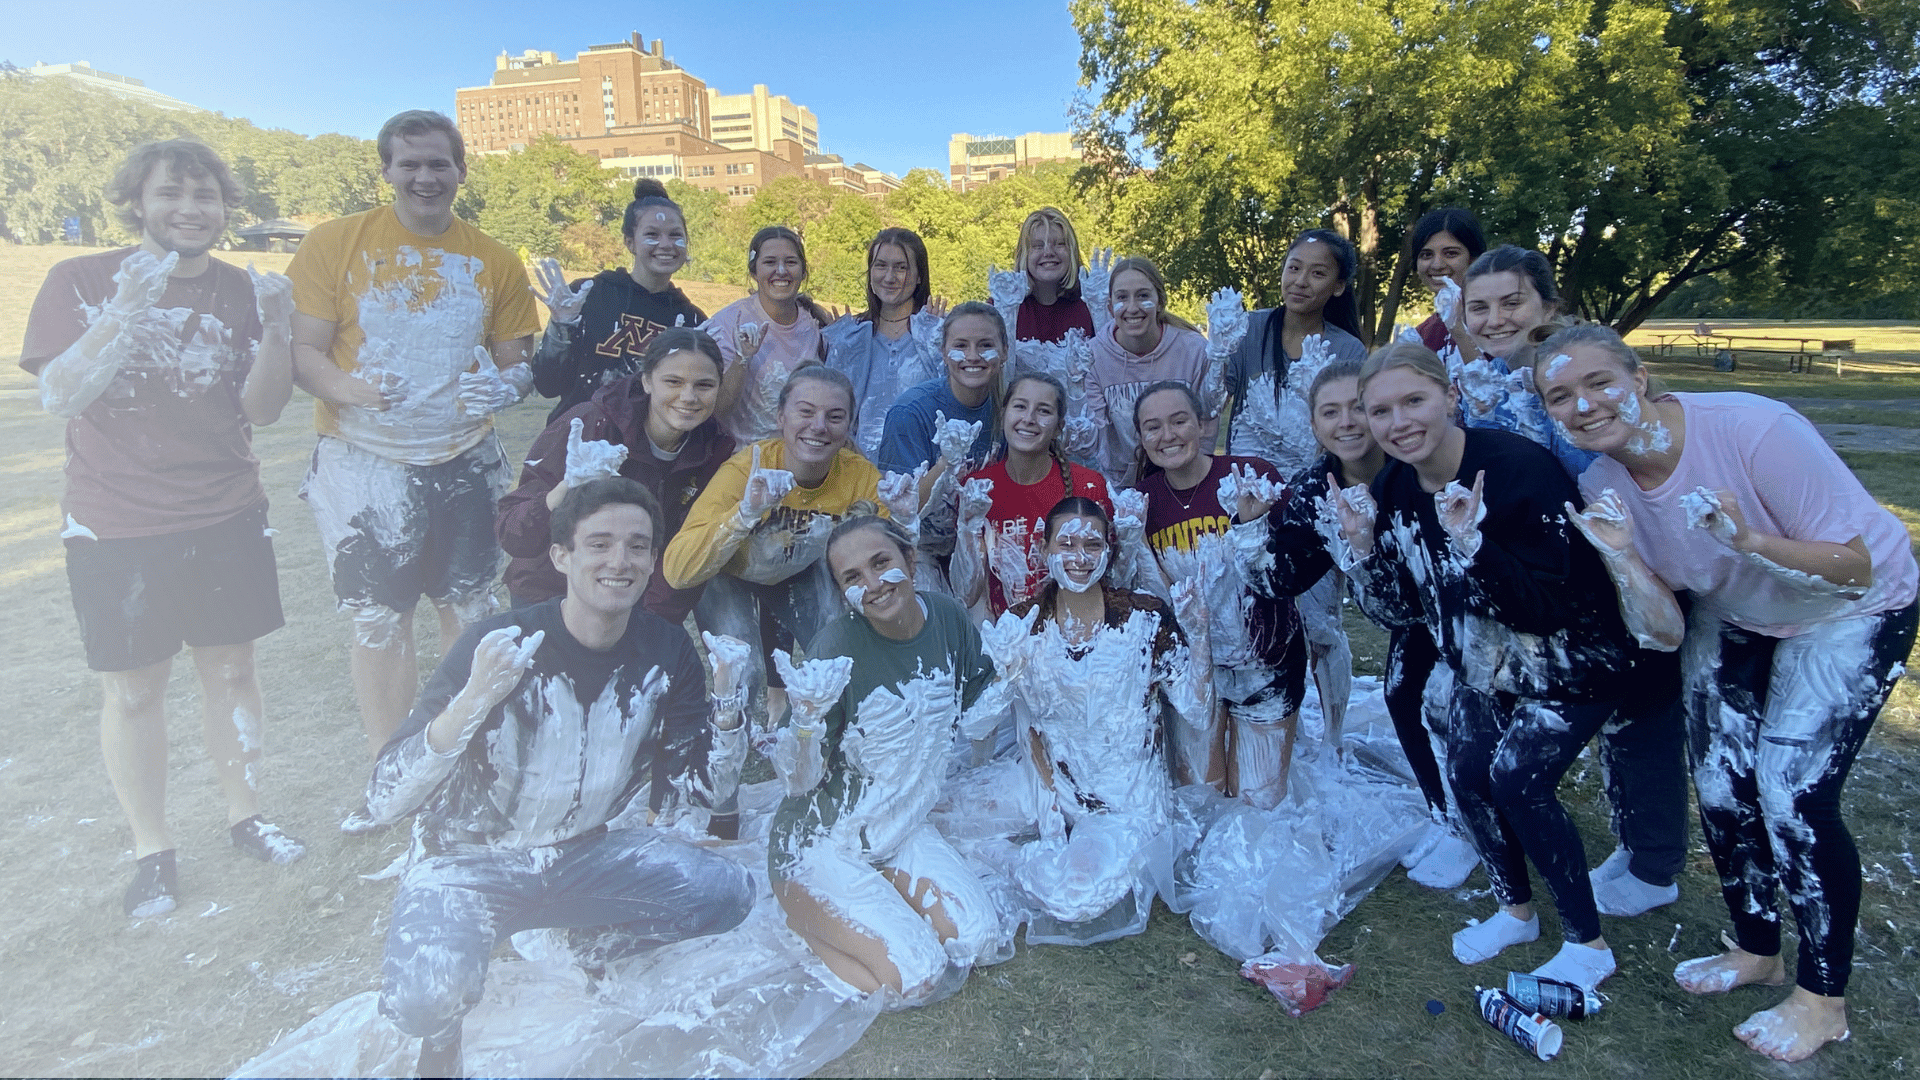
<point x="1114" y="384"/>
<point x="620" y="317"/>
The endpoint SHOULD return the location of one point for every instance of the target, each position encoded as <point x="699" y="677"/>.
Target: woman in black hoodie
<point x="662" y="419"/>
<point x="600" y="326"/>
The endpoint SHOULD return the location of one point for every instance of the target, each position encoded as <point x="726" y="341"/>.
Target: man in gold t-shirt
<point x="411" y="329"/>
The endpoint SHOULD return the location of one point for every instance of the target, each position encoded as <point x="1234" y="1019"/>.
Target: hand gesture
<point x="747" y="337"/>
<point x="813" y="686"/>
<point x="954" y="437"/>
<point x="563" y="301"/>
<point x="272" y="297"/>
<point x="936" y="307"/>
<point x="1605" y="523"/>
<point x="1093" y="284"/>
<point x="1190" y="606"/>
<point x="590" y="459"/>
<point x="1007" y="558"/>
<point x="483" y="391"/>
<point x="727" y="657"/>
<point x="1008" y="642"/>
<point x="976" y="498"/>
<point x="385" y="388"/>
<point x="1226" y="320"/>
<point x="1718" y="512"/>
<point x="765" y="488"/>
<point x="498" y="663"/>
<point x="900" y="494"/>
<point x="1461" y="511"/>
<point x="1355" y="509"/>
<point x="1252" y="495"/>
<point x="1006" y="288"/>
<point x="141" y="281"/>
<point x="1446" y="301"/>
<point x="1129" y="509"/>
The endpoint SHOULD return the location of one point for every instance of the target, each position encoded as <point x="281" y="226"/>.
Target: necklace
<point x="1193" y="492"/>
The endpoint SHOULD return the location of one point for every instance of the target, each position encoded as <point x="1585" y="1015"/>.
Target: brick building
<point x="974" y="160"/>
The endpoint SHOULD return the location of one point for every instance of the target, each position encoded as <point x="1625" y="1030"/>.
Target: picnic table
<point x="1799" y="351"/>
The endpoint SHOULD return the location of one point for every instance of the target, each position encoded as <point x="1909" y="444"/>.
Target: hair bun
<point x="648" y="187"/>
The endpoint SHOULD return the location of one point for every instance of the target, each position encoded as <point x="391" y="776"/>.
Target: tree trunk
<point x="1367" y="269"/>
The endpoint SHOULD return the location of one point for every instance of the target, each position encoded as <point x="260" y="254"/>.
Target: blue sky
<point x="889" y="81"/>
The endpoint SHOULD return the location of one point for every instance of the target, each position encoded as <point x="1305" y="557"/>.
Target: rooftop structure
<point x="81" y="73"/>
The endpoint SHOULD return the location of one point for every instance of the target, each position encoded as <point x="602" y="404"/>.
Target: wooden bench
<point x="1798" y="350"/>
<point x="1838" y="352"/>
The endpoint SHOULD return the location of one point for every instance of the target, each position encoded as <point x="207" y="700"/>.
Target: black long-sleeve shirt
<point x="618" y="320"/>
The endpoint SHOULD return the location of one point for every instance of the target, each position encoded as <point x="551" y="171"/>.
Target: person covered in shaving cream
<point x="600" y="326"/>
<point x="894" y="343"/>
<point x="1057" y="283"/>
<point x="412" y="329"/>
<point x="1103" y="666"/>
<point x="1297" y="539"/>
<point x="1444" y="243"/>
<point x="762" y="523"/>
<point x="1466" y="529"/>
<point x="547" y="757"/>
<point x="656" y="427"/>
<point x="1803" y="614"/>
<point x="764" y="336"/>
<point x="865" y="880"/>
<point x="1003" y="507"/>
<point x="1509" y="292"/>
<point x="162" y="360"/>
<point x="1211" y="553"/>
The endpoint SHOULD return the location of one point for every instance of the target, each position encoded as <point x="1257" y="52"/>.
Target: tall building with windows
<point x="973" y="160"/>
<point x="760" y="119"/>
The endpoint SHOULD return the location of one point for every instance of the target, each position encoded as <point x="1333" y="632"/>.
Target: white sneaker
<point x="1626" y="896"/>
<point x="1483" y="941"/>
<point x="1447" y="865"/>
<point x="1579" y="965"/>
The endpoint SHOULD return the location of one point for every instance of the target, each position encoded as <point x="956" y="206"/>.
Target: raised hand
<point x="747" y="338"/>
<point x="900" y="494"/>
<point x="1008" y="641"/>
<point x="485" y="391"/>
<point x="814" y="685"/>
<point x="976" y="498"/>
<point x="1251" y="495"/>
<point x="1605" y="523"/>
<point x="141" y="281"/>
<point x="1446" y="302"/>
<point x="954" y="437"/>
<point x="1006" y="288"/>
<point x="1226" y="320"/>
<point x="562" y="301"/>
<point x="936" y="307"/>
<point x="727" y="658"/>
<point x="591" y="459"/>
<point x="499" y="660"/>
<point x="1461" y="511"/>
<point x="272" y="297"/>
<point x="1718" y="512"/>
<point x="1355" y="509"/>
<point x="765" y="488"/>
<point x="1129" y="509"/>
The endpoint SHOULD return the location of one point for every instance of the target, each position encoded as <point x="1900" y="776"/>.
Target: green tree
<point x="528" y="198"/>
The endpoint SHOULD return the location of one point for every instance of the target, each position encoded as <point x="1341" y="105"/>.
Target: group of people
<point x="1061" y="532"/>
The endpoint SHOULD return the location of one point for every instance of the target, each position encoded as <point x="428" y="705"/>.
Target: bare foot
<point x="1795" y="1028"/>
<point x="1735" y="967"/>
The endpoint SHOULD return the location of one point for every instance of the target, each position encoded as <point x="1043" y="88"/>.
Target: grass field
<point x="254" y="951"/>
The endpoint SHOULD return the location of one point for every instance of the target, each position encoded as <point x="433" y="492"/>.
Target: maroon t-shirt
<point x="1178" y="518"/>
<point x="1050" y="322"/>
<point x="165" y="448"/>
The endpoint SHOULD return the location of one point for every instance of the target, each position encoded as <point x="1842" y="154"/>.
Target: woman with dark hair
<point x="1469" y="534"/>
<point x="600" y="326"/>
<point x="1003" y="506"/>
<point x="1509" y="302"/>
<point x="766" y="335"/>
<point x="1103" y="666"/>
<point x="1803" y="613"/>
<point x="1443" y="244"/>
<point x="1202" y="519"/>
<point x="878" y="895"/>
<point x="894" y="343"/>
<point x="656" y="427"/>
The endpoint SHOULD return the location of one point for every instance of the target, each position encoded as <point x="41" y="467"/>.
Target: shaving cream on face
<point x="1558" y="364"/>
<point x="1057" y="567"/>
<point x="856" y="596"/>
<point x="989" y="355"/>
<point x="893" y="574"/>
<point x="956" y="356"/>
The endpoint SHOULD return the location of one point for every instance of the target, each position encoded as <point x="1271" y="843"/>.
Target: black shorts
<point x="139" y="598"/>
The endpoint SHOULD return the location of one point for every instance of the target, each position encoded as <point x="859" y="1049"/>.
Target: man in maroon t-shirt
<point x="162" y="359"/>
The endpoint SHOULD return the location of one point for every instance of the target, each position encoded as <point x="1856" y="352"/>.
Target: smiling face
<point x="892" y="276"/>
<point x="1594" y="399"/>
<point x="778" y="270"/>
<point x="1441" y="258"/>
<point x="813" y="425"/>
<point x="179" y="212"/>
<point x="1500" y="308"/>
<point x="1310" y="278"/>
<point x="658" y="243"/>
<point x="682" y="390"/>
<point x="974" y="352"/>
<point x="1408" y="413"/>
<point x="1047" y="253"/>
<point x="423" y="173"/>
<point x="1339" y="421"/>
<point x="1136" y="305"/>
<point x="1031" y="417"/>
<point x="867" y="560"/>
<point x="1169" y="430"/>
<point x="611" y="559"/>
<point x="1077" y="551"/>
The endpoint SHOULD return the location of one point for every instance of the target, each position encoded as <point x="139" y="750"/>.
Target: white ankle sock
<point x="1626" y="895"/>
<point x="1447" y="865"/>
<point x="1613" y="867"/>
<point x="1579" y="965"/>
<point x="1481" y="942"/>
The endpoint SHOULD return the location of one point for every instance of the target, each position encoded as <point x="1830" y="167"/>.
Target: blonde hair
<point x="1406" y="354"/>
<point x="1048" y="217"/>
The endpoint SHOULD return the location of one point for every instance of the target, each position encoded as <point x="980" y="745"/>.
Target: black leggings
<point x="1643" y="755"/>
<point x="1773" y="726"/>
<point x="1506" y="756"/>
<point x="1411" y="657"/>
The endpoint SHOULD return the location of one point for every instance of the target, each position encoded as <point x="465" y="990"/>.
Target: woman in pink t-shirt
<point x="1803" y="613"/>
